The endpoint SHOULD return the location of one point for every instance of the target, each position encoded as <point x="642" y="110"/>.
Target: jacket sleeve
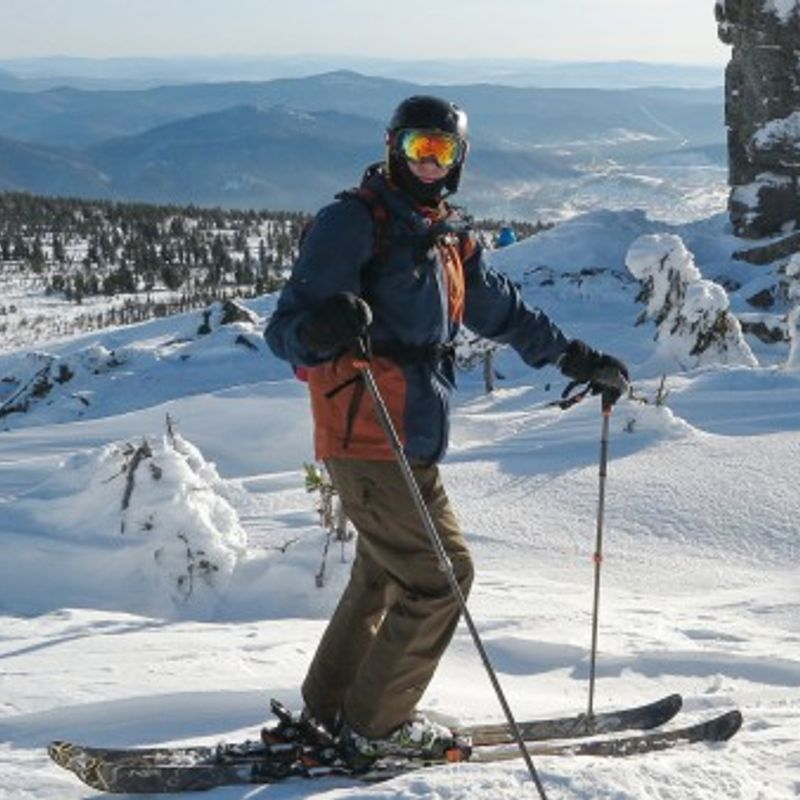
<point x="495" y="310"/>
<point x="336" y="247"/>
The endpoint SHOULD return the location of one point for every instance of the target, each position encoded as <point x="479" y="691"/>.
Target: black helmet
<point x="429" y="113"/>
<point x="433" y="113"/>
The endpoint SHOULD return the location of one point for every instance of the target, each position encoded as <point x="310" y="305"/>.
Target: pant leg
<point x="422" y="611"/>
<point x="346" y="640"/>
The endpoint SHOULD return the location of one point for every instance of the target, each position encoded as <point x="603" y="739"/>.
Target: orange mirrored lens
<point x="419" y="145"/>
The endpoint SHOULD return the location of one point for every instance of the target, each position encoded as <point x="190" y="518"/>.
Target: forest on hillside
<point x="119" y="263"/>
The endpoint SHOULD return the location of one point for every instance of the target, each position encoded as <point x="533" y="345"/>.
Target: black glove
<point x="604" y="373"/>
<point x="335" y="323"/>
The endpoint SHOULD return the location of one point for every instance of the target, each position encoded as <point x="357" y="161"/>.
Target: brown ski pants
<point x="398" y="612"/>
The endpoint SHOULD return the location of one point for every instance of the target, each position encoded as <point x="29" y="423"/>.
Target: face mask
<point x="427" y="194"/>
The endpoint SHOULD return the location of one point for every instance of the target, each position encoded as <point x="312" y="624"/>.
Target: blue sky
<point x="647" y="30"/>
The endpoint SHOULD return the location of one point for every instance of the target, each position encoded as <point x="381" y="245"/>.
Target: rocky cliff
<point x="762" y="111"/>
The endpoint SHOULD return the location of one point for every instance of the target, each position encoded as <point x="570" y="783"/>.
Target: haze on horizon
<point x="673" y="31"/>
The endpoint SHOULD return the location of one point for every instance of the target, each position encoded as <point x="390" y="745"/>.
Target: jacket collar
<point x="400" y="205"/>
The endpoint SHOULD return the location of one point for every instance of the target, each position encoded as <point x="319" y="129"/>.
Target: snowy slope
<point x="700" y="586"/>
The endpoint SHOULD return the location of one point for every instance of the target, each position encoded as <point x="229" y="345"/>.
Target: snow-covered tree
<point x="694" y="325"/>
<point x="160" y="512"/>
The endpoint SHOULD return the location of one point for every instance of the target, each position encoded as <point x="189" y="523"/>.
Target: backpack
<point x="445" y="231"/>
<point x="381" y="219"/>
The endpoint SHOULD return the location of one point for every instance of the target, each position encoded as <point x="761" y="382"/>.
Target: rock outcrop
<point x="762" y="112"/>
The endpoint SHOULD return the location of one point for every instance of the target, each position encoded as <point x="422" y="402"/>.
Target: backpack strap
<point x="450" y="230"/>
<point x="359" y="389"/>
<point x="464" y="227"/>
<point x="380" y="218"/>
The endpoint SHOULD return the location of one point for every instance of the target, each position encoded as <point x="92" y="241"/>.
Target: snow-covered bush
<point x="156" y="518"/>
<point x="693" y="323"/>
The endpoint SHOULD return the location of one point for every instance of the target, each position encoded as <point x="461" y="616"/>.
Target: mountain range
<point x="292" y="143"/>
<point x="47" y="72"/>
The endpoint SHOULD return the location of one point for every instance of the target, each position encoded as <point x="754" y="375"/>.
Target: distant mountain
<point x="78" y="118"/>
<point x="243" y="156"/>
<point x="293" y="143"/>
<point x="523" y="116"/>
<point x="149" y="72"/>
<point x="274" y="157"/>
<point x="39" y="169"/>
<point x="9" y="81"/>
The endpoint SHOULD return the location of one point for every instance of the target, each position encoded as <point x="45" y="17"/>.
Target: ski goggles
<point x="417" y="145"/>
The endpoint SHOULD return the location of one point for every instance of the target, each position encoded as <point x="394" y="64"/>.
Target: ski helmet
<point x="427" y="113"/>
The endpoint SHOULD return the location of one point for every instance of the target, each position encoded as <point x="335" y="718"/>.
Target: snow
<point x="749" y="194"/>
<point x="785" y="130"/>
<point x="700" y="590"/>
<point x="671" y="188"/>
<point x="782" y="8"/>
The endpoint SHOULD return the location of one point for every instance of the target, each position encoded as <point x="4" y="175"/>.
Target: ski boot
<point x="420" y="738"/>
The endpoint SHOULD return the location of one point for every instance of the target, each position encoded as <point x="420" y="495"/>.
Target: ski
<point x="650" y="715"/>
<point x="716" y="729"/>
<point x="644" y="717"/>
<point x="158" y="770"/>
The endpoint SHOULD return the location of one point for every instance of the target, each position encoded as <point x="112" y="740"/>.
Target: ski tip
<point x="726" y="726"/>
<point x="281" y="711"/>
<point x="659" y="712"/>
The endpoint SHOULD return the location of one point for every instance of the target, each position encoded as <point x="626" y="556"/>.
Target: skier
<point x="394" y="262"/>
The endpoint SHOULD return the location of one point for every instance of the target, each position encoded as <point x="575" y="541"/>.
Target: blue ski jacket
<point x="423" y="274"/>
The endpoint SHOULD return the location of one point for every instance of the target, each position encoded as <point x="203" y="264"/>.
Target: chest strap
<point x="414" y="354"/>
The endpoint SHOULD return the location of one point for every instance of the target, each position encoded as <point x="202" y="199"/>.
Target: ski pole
<point x="362" y="364"/>
<point x="607" y="405"/>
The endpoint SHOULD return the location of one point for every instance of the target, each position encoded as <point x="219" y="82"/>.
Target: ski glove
<point x="337" y="322"/>
<point x="605" y="374"/>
